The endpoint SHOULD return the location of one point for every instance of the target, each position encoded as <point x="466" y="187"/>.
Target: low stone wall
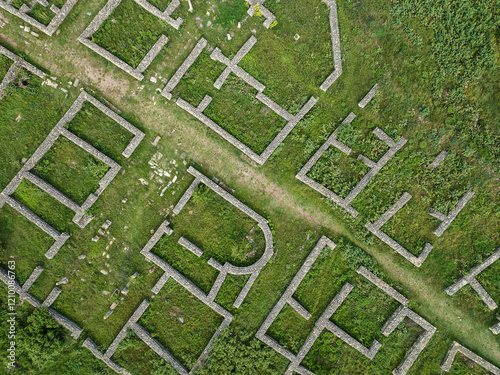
<point x="438" y="160"/>
<point x="24" y="295"/>
<point x="448" y="219"/>
<point x="375" y="229"/>
<point x="102" y="16"/>
<point x="394" y="321"/>
<point x="345" y="203"/>
<point x="455" y="348"/>
<point x="60" y="15"/>
<point x="368" y="97"/>
<point x="335" y="35"/>
<point x="470" y="279"/>
<point x="176" y="78"/>
<point x="232" y="66"/>
<point x="268" y="15"/>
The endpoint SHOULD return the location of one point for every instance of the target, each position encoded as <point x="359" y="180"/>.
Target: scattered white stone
<point x="27" y="29"/>
<point x="229" y="37"/>
<point x="83" y="256"/>
<point x="77" y="81"/>
<point x="18" y="118"/>
<point x="135" y="275"/>
<point x="296" y="37"/>
<point x="104" y="272"/>
<point x="155" y="142"/>
<point x="35" y="34"/>
<point x="89" y="14"/>
<point x="190" y="6"/>
<point x="143" y="181"/>
<point x="24" y="160"/>
<point x="50" y="83"/>
<point x="113" y="306"/>
<point x="209" y="23"/>
<point x="63" y="281"/>
<point x="153" y="79"/>
<point x="125" y="291"/>
<point x="106" y="293"/>
<point x="2" y="24"/>
<point x="95" y="239"/>
<point x="106" y="224"/>
<point x="239" y="25"/>
<point x="108" y="314"/>
<point x="124" y="200"/>
<point x="64" y="90"/>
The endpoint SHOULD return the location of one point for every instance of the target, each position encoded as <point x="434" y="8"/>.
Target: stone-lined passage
<point x="375" y="167"/>
<point x="470" y="279"/>
<point x="228" y="268"/>
<point x="15" y="68"/>
<point x="321" y="324"/>
<point x="24" y="295"/>
<point x="259" y="5"/>
<point x="369" y="96"/>
<point x="375" y="228"/>
<point x="86" y="37"/>
<point x="335" y="34"/>
<point x="186" y="64"/>
<point x="59" y="14"/>
<point x="455" y="348"/>
<point x="448" y="219"/>
<point x="80" y="218"/>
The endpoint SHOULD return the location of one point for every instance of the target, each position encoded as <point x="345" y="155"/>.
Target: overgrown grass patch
<point x="182" y="323"/>
<point x="71" y="170"/>
<point x="220" y="229"/>
<point x="191" y="266"/>
<point x="46" y="207"/>
<point x="97" y="129"/>
<point x="130" y="32"/>
<point x="21" y="241"/>
<point x="237" y="111"/>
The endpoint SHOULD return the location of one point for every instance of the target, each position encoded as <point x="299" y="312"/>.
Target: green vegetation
<point x="437" y="68"/>
<point x="71" y="170"/>
<point x="130" y="32"/>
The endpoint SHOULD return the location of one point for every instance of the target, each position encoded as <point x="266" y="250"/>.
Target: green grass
<point x="22" y="241"/>
<point x="5" y="64"/>
<point x="180" y="322"/>
<point x="409" y="103"/>
<point x="132" y="34"/>
<point x="97" y="129"/>
<point x="43" y="205"/>
<point x="218" y="228"/>
<point x="71" y="170"/>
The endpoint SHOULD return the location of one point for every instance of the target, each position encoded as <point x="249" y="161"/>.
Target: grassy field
<point x="396" y="51"/>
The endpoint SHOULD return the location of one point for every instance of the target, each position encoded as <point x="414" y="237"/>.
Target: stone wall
<point x="448" y="219"/>
<point x="375" y="167"/>
<point x="60" y="15"/>
<point x="375" y="229"/>
<point x="455" y="348"/>
<point x="86" y="37"/>
<point x="470" y="279"/>
<point x="24" y="295"/>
